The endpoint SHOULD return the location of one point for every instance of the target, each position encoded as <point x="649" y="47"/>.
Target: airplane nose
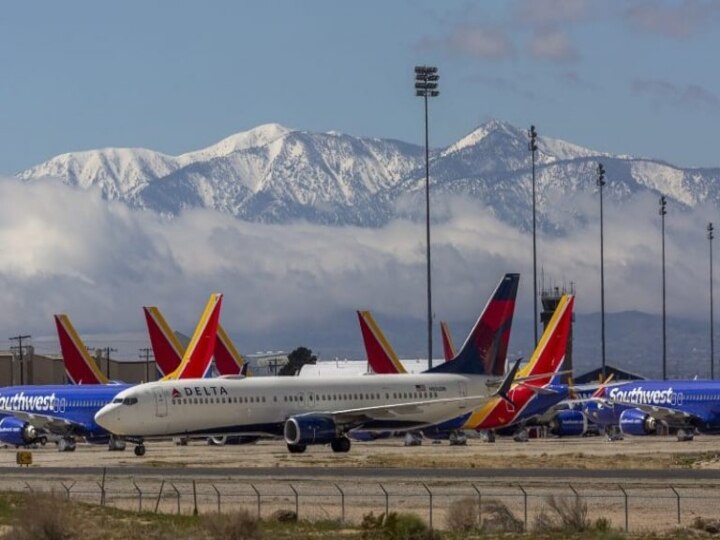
<point x="108" y="418"/>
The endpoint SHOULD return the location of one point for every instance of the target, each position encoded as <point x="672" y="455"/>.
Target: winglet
<point x="167" y="349"/>
<point x="380" y="354"/>
<point x="80" y="367"/>
<point x="199" y="352"/>
<point x="228" y="360"/>
<point x="448" y="346"/>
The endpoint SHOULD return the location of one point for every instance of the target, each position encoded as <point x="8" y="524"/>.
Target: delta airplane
<point x="26" y="412"/>
<point x="303" y="411"/>
<point x="638" y="407"/>
<point x="168" y="350"/>
<point x="536" y="391"/>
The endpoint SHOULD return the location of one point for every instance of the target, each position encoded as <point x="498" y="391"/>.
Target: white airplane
<point x="302" y="411"/>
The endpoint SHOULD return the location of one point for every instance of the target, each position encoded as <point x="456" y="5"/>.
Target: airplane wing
<point x="667" y="414"/>
<point x="49" y="423"/>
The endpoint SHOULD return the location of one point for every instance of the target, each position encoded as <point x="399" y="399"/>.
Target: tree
<point x="296" y="360"/>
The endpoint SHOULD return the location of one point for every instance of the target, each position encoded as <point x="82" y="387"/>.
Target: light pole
<point x="600" y="182"/>
<point x="710" y="237"/>
<point x="663" y="211"/>
<point x="20" y="349"/>
<point x="146" y="353"/>
<point x="426" y="83"/>
<point x="532" y="146"/>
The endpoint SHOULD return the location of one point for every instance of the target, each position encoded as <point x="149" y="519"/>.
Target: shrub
<point x="238" y="525"/>
<point x="497" y="517"/>
<point x="54" y="522"/>
<point x="563" y="513"/>
<point x="394" y="526"/>
<point x="462" y="515"/>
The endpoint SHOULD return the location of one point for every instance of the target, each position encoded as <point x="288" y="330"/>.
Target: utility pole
<point x="108" y="350"/>
<point x="710" y="237"/>
<point x="426" y="83"/>
<point x="600" y="181"/>
<point x="146" y="353"/>
<point x="532" y="146"/>
<point x="663" y="212"/>
<point x="20" y="349"/>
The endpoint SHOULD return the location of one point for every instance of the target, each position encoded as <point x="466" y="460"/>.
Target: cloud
<point x="505" y="85"/>
<point x="474" y="40"/>
<point x="553" y="45"/>
<point x="690" y="96"/>
<point x="674" y="20"/>
<point x="551" y="12"/>
<point x="68" y="250"/>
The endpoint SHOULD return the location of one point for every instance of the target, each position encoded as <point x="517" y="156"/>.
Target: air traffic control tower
<point x="550" y="299"/>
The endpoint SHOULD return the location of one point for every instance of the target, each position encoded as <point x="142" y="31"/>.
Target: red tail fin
<point x="79" y="365"/>
<point x="380" y="354"/>
<point x="167" y="349"/>
<point x="448" y="345"/>
<point x="197" y="357"/>
<point x="228" y="360"/>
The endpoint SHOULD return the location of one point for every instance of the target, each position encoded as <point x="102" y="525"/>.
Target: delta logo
<point x="176" y="394"/>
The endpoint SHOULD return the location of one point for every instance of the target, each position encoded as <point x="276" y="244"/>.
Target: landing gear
<point x="341" y="444"/>
<point x="458" y="438"/>
<point x="613" y="434"/>
<point x="116" y="445"/>
<point x="684" y="435"/>
<point x="66" y="444"/>
<point x="296" y="448"/>
<point x="140" y="450"/>
<point x="412" y="439"/>
<point x="487" y="436"/>
<point x="42" y="441"/>
<point x="521" y="435"/>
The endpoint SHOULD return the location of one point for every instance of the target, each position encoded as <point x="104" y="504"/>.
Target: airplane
<point x="168" y="350"/>
<point x="487" y="341"/>
<point x="26" y="412"/>
<point x="449" y="350"/>
<point x="301" y="410"/>
<point x="640" y="407"/>
<point x="80" y="367"/>
<point x="537" y="390"/>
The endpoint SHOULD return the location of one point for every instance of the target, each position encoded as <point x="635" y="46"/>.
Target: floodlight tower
<point x="600" y="182"/>
<point x="532" y="146"/>
<point x="663" y="212"/>
<point x="710" y="237"/>
<point x="426" y="83"/>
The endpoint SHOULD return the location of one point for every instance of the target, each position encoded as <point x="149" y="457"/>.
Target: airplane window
<point x="284" y="398"/>
<point x="301" y="398"/>
<point x="275" y="398"/>
<point x="117" y="400"/>
<point x="130" y="401"/>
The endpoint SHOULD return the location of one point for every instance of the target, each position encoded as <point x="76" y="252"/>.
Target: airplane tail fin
<point x="80" y="367"/>
<point x="380" y="354"/>
<point x="199" y="353"/>
<point x="600" y="392"/>
<point x="448" y="346"/>
<point x="228" y="360"/>
<point x="485" y="349"/>
<point x="548" y="357"/>
<point x="167" y="349"/>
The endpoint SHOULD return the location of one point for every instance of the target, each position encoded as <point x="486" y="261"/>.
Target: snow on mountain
<point x="275" y="174"/>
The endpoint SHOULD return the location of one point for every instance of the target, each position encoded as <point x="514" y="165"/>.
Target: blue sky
<point x="633" y="77"/>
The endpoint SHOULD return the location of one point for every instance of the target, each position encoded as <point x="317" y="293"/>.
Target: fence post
<point x="297" y="502"/>
<point x="342" y="503"/>
<point x="626" y="506"/>
<point x="195" y="510"/>
<point x="387" y="499"/>
<point x="577" y="495"/>
<point x="217" y="492"/>
<point x="29" y="488"/>
<point x="157" y="503"/>
<point x="178" y="497"/>
<point x="678" y="502"/>
<point x="102" y="493"/>
<point x="479" y="504"/>
<point x="67" y="488"/>
<point x="430" y="507"/>
<point x="102" y="501"/>
<point x="137" y="488"/>
<point x="258" y="498"/>
<point x="525" y="496"/>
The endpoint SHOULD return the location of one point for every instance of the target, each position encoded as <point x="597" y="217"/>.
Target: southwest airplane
<point x="536" y="391"/>
<point x="303" y="411"/>
<point x="69" y="410"/>
<point x="168" y="350"/>
<point x="638" y="407"/>
<point x="449" y="350"/>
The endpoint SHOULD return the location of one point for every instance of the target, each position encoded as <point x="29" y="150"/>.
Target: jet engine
<point x="636" y="422"/>
<point x="17" y="432"/>
<point x="601" y="413"/>
<point x="309" y="429"/>
<point x="568" y="424"/>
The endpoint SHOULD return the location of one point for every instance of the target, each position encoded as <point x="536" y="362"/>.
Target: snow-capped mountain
<point x="275" y="174"/>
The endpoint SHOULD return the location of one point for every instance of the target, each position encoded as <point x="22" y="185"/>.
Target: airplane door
<point x="462" y="389"/>
<point x="310" y="398"/>
<point x="160" y="402"/>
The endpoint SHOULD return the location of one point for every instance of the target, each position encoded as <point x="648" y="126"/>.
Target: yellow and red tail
<point x="167" y="349"/>
<point x="79" y="365"/>
<point x="199" y="353"/>
<point x="380" y="354"/>
<point x="448" y="346"/>
<point x="228" y="360"/>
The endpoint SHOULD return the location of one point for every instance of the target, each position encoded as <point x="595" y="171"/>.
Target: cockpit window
<point x="117" y="400"/>
<point x="130" y="401"/>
